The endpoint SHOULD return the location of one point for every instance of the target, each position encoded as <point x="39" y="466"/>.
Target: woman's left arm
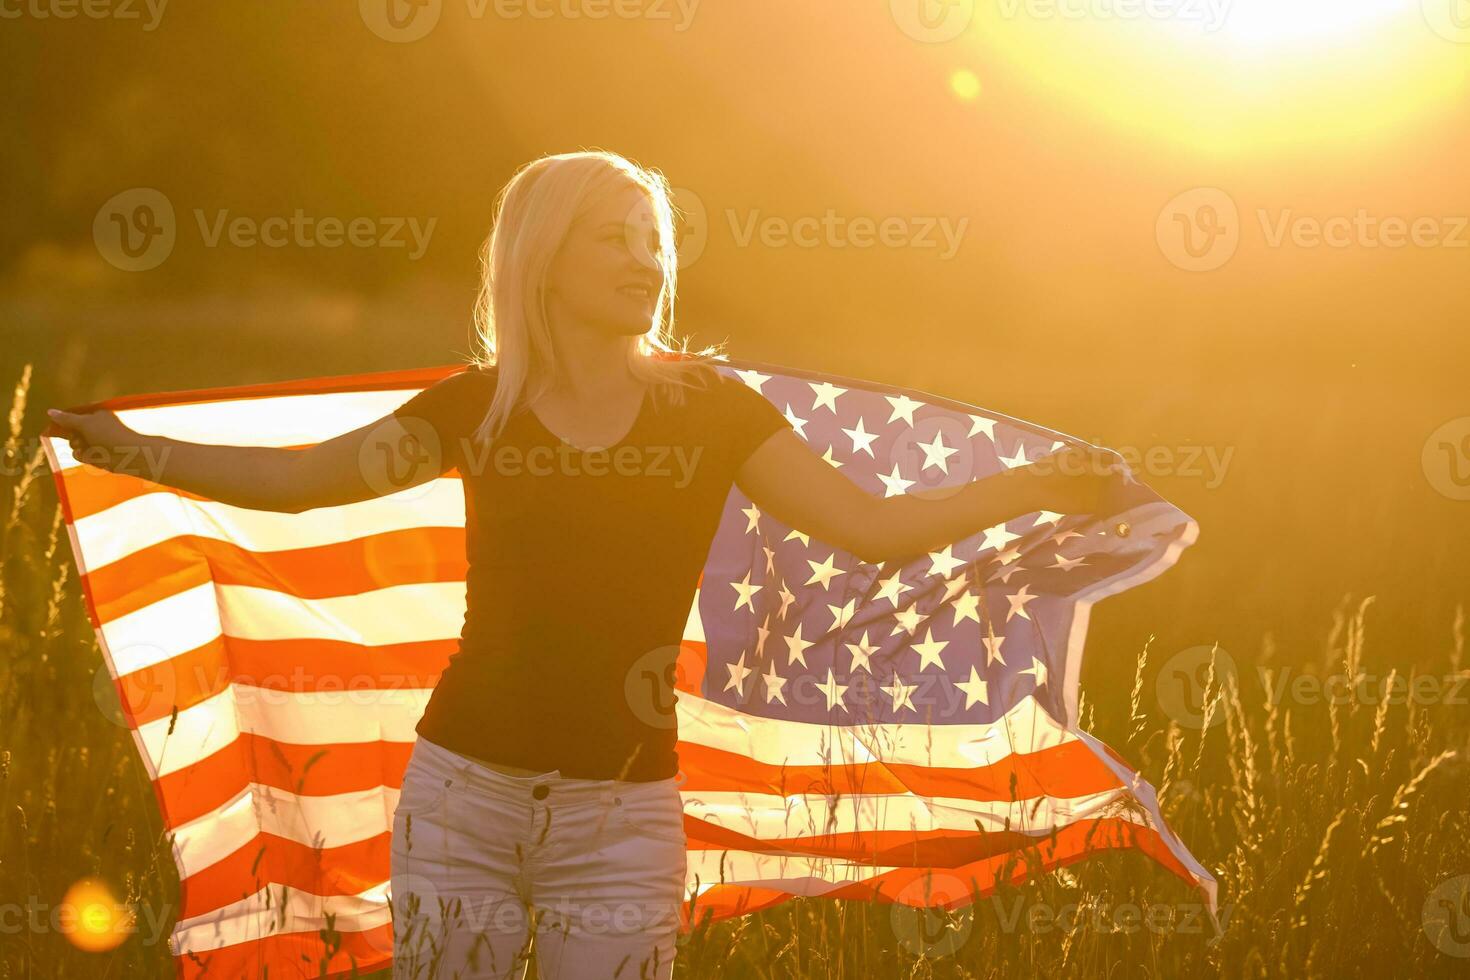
<point x="786" y="479"/>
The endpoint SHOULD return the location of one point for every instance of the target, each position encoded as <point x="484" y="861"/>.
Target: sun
<point x="1307" y="22"/>
<point x="1236" y="76"/>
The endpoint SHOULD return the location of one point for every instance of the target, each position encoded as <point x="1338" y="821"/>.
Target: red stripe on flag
<point x="93" y="490"/>
<point x="283" y="863"/>
<point x="1067" y="845"/>
<point x="310" y="770"/>
<point x="305" y="665"/>
<point x="411" y="556"/>
<point x="1068" y="770"/>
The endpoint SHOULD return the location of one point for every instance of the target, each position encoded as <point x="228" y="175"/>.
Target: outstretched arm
<point x="378" y="458"/>
<point x="785" y="478"/>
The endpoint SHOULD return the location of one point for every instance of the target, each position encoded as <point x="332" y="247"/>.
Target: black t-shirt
<point x="582" y="569"/>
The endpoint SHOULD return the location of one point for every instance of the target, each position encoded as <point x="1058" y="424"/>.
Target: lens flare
<point x="93" y="919"/>
<point x="965" y="84"/>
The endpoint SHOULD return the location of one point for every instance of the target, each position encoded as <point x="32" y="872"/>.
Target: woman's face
<point x="604" y="275"/>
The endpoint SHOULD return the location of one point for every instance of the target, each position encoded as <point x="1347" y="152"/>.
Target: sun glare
<point x="1309" y="22"/>
<point x="1237" y="75"/>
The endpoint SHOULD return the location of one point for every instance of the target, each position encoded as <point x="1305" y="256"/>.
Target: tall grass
<point x="1329" y="825"/>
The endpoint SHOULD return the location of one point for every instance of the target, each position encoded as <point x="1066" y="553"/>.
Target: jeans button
<point x="540" y="791"/>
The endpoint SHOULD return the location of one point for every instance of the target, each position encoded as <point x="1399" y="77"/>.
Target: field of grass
<point x="1327" y="789"/>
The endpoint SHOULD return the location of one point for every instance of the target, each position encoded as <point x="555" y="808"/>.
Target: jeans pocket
<point x="659" y="815"/>
<point x="422" y="792"/>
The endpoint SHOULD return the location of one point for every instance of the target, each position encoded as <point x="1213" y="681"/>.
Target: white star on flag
<point x="747" y="592"/>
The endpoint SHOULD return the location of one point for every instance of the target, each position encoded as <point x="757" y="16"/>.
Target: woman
<point x="541" y="798"/>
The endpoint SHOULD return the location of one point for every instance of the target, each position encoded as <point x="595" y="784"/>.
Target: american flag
<point x="846" y="730"/>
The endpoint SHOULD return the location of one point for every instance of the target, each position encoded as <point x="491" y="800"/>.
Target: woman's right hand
<point x="97" y="437"/>
<point x="376" y="459"/>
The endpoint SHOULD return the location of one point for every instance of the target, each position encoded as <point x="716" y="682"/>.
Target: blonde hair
<point x="512" y="332"/>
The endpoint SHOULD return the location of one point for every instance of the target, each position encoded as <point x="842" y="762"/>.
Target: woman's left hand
<point x="1081" y="476"/>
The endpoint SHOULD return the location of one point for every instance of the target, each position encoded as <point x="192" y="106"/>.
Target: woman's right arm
<point x="379" y="458"/>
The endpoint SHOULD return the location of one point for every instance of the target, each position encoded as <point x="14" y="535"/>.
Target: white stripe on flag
<point x="324" y="718"/>
<point x="397" y="614"/>
<point x="276" y="911"/>
<point x="279" y="420"/>
<point x="141" y="522"/>
<point x="767" y="816"/>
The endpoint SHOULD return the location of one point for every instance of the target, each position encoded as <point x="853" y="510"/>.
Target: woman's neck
<point x="591" y="367"/>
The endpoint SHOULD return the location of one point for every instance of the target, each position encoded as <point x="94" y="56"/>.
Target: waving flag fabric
<point x="846" y="730"/>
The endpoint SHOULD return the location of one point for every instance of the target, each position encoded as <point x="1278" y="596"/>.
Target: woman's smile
<point x="641" y="290"/>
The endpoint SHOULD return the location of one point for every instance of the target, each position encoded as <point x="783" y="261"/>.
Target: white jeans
<point x="480" y="859"/>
